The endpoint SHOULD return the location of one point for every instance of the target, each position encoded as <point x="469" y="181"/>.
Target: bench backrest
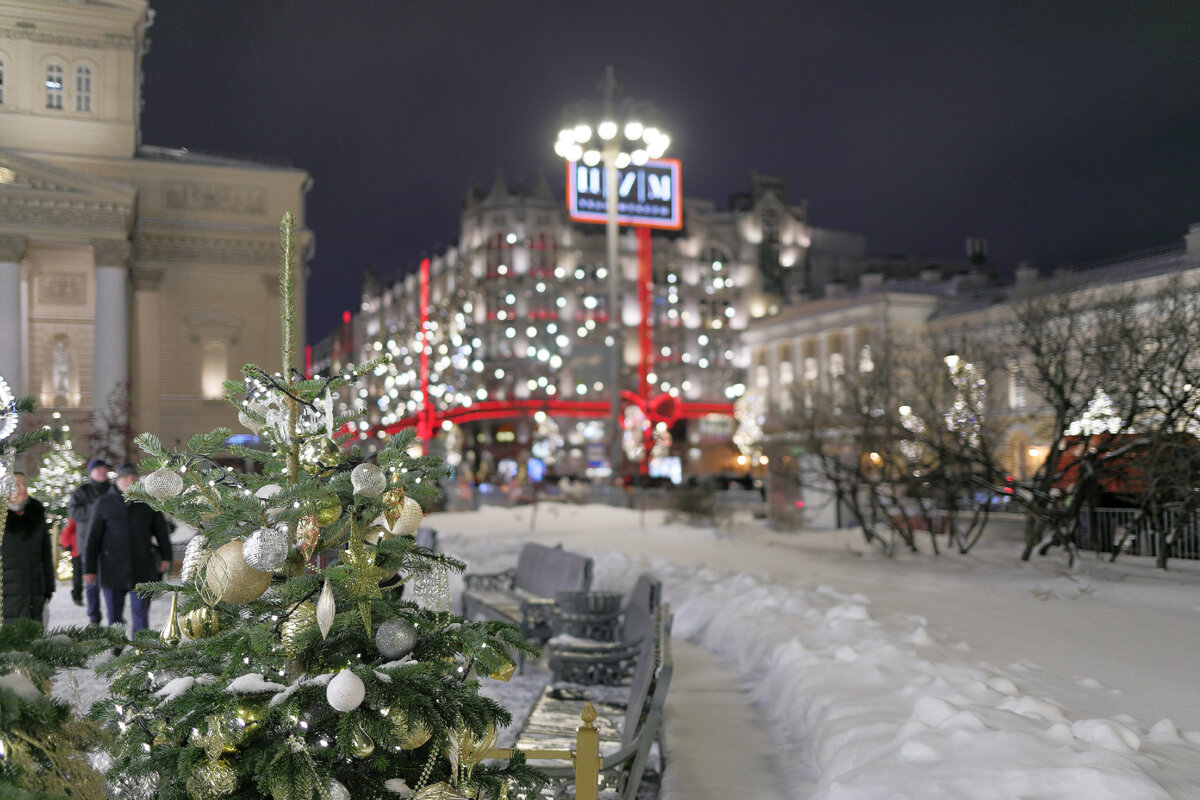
<point x="546" y="571"/>
<point x="641" y="608"/>
<point x="648" y="675"/>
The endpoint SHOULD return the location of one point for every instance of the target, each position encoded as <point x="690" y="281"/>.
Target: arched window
<point x="83" y="88"/>
<point x="214" y="370"/>
<point x="1" y="81"/>
<point x="54" y="86"/>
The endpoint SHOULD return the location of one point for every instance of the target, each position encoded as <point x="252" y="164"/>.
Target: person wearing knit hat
<point x="79" y="509"/>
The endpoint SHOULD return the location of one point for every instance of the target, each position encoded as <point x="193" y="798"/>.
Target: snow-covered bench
<point x="627" y="730"/>
<point x="606" y="660"/>
<point x="524" y="595"/>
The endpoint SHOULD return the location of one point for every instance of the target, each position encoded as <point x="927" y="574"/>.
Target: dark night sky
<point x="1060" y="131"/>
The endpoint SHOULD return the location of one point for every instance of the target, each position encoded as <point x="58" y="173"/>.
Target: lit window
<point x="83" y="88"/>
<point x="214" y="370"/>
<point x="54" y="86"/>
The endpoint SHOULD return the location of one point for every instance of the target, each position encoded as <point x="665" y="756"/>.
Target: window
<point x="214" y="370"/>
<point x="83" y="88"/>
<point x="1" y="82"/>
<point x="54" y="86"/>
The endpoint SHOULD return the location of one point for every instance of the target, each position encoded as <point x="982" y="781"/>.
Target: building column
<point x="145" y="391"/>
<point x="110" y="359"/>
<point x="12" y="250"/>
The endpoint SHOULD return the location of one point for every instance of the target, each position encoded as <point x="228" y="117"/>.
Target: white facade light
<point x="607" y="129"/>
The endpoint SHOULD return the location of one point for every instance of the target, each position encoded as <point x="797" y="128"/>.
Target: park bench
<point x="524" y="594"/>
<point x="594" y="645"/>
<point x="627" y="731"/>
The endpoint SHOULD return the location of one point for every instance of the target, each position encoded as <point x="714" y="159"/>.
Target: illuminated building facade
<point x="516" y="316"/>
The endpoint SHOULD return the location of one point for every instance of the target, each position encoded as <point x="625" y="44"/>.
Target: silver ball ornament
<point x="337" y="791"/>
<point x="163" y="484"/>
<point x="266" y="548"/>
<point x="396" y="638"/>
<point x="368" y="479"/>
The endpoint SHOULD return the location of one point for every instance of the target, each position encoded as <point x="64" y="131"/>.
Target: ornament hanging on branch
<point x="346" y="691"/>
<point x="230" y="579"/>
<point x="296" y="627"/>
<point x="212" y="780"/>
<point x="396" y="638"/>
<point x="200" y="623"/>
<point x="163" y="484"/>
<point x="308" y="534"/>
<point x="194" y="557"/>
<point x="319" y="455"/>
<point x="410" y="518"/>
<point x="266" y="548"/>
<point x="326" y="610"/>
<point x="361" y="745"/>
<point x="368" y="479"/>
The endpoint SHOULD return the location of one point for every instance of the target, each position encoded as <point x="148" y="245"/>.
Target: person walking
<point x="79" y="509"/>
<point x="27" y="555"/>
<point x="120" y="548"/>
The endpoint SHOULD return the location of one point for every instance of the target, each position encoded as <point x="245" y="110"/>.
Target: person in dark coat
<point x="79" y="508"/>
<point x="28" y="560"/>
<point x="120" y="548"/>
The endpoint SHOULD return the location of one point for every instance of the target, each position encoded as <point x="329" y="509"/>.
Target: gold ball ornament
<point x="230" y="579"/>
<point x="297" y="628"/>
<point x="319" y="455"/>
<point x="200" y="623"/>
<point x="327" y="509"/>
<point x="212" y="780"/>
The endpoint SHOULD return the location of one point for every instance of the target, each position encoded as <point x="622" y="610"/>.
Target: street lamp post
<point x="619" y="139"/>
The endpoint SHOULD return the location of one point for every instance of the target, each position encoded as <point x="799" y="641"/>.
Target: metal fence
<point x="1103" y="529"/>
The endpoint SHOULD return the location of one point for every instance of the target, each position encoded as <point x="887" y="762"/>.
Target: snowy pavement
<point x="809" y="666"/>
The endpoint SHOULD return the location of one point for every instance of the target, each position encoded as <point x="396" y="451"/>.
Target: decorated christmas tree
<point x="279" y="677"/>
<point x="43" y="745"/>
<point x="60" y="471"/>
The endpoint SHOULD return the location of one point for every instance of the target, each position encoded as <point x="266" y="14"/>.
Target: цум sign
<point x="646" y="195"/>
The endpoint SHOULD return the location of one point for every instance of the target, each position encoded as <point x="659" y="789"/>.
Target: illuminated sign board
<point x="647" y="195"/>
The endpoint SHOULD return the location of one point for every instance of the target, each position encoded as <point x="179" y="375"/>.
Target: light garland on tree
<point x="1099" y="417"/>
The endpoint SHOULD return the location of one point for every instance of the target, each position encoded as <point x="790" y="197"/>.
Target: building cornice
<point x="207" y="250"/>
<point x="109" y="41"/>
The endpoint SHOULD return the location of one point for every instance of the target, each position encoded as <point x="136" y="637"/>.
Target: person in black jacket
<point x="79" y="508"/>
<point x="28" y="561"/>
<point x="120" y="548"/>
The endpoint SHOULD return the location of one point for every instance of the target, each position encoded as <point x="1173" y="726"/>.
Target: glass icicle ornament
<point x="266" y="548"/>
<point x="368" y="479"/>
<point x="326" y="610"/>
<point x="163" y="484"/>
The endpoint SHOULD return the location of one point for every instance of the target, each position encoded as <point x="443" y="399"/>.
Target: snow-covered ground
<point x="974" y="677"/>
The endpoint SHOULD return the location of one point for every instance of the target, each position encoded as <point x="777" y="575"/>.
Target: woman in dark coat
<point x="28" y="560"/>
<point x="120" y="547"/>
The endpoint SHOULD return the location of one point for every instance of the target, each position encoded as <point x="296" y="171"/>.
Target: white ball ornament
<point x="368" y="479"/>
<point x="266" y="548"/>
<point x="410" y="518"/>
<point x="346" y="691"/>
<point x="265" y="494"/>
<point x="163" y="484"/>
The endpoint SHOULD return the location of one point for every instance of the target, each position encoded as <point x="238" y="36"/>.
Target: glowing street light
<point x="617" y="138"/>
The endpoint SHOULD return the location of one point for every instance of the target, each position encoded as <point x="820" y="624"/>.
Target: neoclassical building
<point x="133" y="279"/>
